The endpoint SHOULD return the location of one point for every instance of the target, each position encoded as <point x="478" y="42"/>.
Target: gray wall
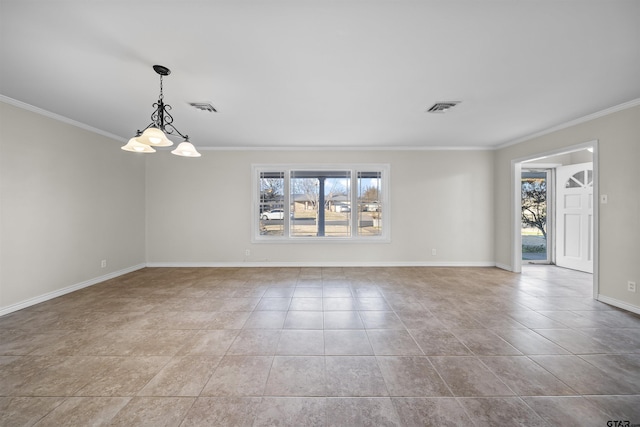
<point x="69" y="199"/>
<point x="199" y="211"/>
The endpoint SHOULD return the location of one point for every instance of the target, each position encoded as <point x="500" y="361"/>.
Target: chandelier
<point x="155" y="134"/>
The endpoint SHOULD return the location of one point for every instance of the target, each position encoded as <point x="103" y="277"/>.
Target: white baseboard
<point x="324" y="264"/>
<point x="620" y="304"/>
<point x="50" y="295"/>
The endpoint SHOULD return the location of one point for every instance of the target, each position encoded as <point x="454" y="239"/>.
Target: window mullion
<point x="287" y="203"/>
<point x="354" y="203"/>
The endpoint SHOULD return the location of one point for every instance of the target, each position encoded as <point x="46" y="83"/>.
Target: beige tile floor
<point x="323" y="346"/>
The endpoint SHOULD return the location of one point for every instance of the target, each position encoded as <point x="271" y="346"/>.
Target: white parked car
<point x="273" y="214"/>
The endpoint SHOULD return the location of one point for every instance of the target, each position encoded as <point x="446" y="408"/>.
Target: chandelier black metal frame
<point x="155" y="134"/>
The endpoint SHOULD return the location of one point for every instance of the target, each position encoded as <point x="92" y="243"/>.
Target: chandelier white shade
<point x="137" y="147"/>
<point x="154" y="137"/>
<point x="186" y="149"/>
<point x="155" y="134"/>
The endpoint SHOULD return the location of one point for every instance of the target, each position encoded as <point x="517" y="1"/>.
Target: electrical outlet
<point x="631" y="286"/>
<point x="434" y="252"/>
<point x="103" y="263"/>
<point x="247" y="252"/>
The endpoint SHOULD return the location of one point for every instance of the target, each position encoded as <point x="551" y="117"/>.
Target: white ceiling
<point x="311" y="73"/>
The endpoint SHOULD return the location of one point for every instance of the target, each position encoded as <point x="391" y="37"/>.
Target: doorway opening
<point x="535" y="215"/>
<point x="555" y="216"/>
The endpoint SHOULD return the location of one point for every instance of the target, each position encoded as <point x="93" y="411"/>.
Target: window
<point x="302" y="203"/>
<point x="271" y="211"/>
<point x="369" y="206"/>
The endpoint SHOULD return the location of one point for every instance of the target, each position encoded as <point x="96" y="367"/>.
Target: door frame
<point x="516" y="175"/>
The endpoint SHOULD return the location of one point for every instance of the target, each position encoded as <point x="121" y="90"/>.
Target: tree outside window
<point x="534" y="215"/>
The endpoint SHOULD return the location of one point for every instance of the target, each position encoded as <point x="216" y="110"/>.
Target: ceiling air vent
<point x="442" y="107"/>
<point x="204" y="106"/>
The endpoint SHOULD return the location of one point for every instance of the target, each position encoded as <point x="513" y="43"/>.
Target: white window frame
<point x="354" y="168"/>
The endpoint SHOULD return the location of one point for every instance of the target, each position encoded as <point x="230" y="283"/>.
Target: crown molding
<point x="350" y="148"/>
<point x="587" y="118"/>
<point x="575" y="122"/>
<point x="58" y="117"/>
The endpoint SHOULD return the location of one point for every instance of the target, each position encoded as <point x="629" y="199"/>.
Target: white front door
<point x="574" y="217"/>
